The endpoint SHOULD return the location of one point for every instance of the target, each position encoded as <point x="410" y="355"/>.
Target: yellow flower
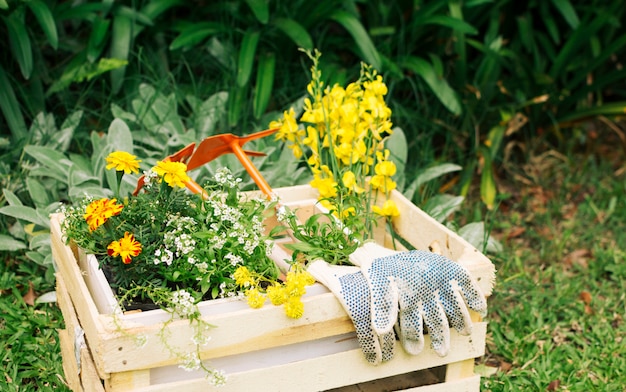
<point x="287" y="127"/>
<point x="255" y="298"/>
<point x="277" y="295"/>
<point x="243" y="277"/>
<point x="98" y="211"/>
<point x="174" y="173"/>
<point x="385" y="168"/>
<point x="349" y="181"/>
<point x="127" y="247"/>
<point x="390" y="209"/>
<point x="294" y="307"/>
<point x="382" y="183"/>
<point x="122" y="161"/>
<point x="327" y="187"/>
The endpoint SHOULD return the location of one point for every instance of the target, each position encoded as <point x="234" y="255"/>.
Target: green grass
<point x="556" y="316"/>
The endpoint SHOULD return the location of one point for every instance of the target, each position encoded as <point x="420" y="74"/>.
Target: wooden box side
<point x="306" y="367"/>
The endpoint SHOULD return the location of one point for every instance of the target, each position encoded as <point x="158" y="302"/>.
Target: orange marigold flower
<point x="98" y="211"/>
<point x="127" y="247"/>
<point x="123" y="161"/>
<point x="174" y="173"/>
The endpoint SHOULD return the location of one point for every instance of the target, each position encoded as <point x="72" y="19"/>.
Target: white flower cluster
<point x="150" y="178"/>
<point x="182" y="303"/>
<point x="223" y="176"/>
<point x="190" y="362"/>
<point x="177" y="242"/>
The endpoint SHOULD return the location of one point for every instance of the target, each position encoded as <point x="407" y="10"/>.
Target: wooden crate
<point x="257" y="348"/>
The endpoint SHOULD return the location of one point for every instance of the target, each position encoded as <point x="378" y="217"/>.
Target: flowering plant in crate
<point x="173" y="248"/>
<point x="341" y="137"/>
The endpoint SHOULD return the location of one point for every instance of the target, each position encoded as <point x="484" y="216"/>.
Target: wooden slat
<point x="70" y="367"/>
<point x="321" y="372"/>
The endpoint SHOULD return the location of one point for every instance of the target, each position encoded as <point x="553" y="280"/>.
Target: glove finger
<point x="387" y="345"/>
<point x="456" y="309"/>
<point x="411" y="329"/>
<point x="354" y="289"/>
<point x="438" y="328"/>
<point x="383" y="296"/>
<point x="473" y="295"/>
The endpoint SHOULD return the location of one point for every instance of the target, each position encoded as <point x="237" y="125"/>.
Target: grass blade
<point x="363" y="41"/>
<point x="246" y="56"/>
<point x="11" y="108"/>
<point x="571" y="48"/>
<point x="157" y="7"/>
<point x="99" y="30"/>
<point x="609" y="109"/>
<point x="46" y="21"/>
<point x="294" y="30"/>
<point x="488" y="189"/>
<point x="20" y="42"/>
<point x="264" y="84"/>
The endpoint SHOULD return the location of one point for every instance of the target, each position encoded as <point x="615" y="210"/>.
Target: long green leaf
<point x="4" y="5"/>
<point x="157" y="7"/>
<point x="10" y="244"/>
<point x="294" y="30"/>
<point x="609" y="109"/>
<point x="24" y="213"/>
<point x="195" y="34"/>
<point x="569" y="13"/>
<point x="361" y="38"/>
<point x="264" y="83"/>
<point x="260" y="9"/>
<point x="99" y="30"/>
<point x="46" y="20"/>
<point x="440" y="87"/>
<point x="570" y="51"/>
<point x="10" y="108"/>
<point x="246" y="57"/>
<point x="454" y="23"/>
<point x="120" y="47"/>
<point x="487" y="181"/>
<point x="20" y="41"/>
<point x="53" y="161"/>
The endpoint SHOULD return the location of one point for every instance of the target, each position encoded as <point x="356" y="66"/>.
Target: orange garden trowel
<point x="211" y="148"/>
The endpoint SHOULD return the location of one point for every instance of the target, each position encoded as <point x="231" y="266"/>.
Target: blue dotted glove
<point x="352" y="290"/>
<point x="419" y="288"/>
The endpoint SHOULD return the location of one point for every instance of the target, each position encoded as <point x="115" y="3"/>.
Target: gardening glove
<point x="351" y="289"/>
<point x="416" y="288"/>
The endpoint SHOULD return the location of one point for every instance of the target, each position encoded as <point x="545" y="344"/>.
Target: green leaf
<point x="458" y="25"/>
<point x="24" y="213"/>
<point x="440" y="87"/>
<point x="570" y="51"/>
<point x="4" y="5"/>
<point x="441" y="206"/>
<point x="398" y="147"/>
<point x="51" y="159"/>
<point x="46" y="21"/>
<point x="246" y="56"/>
<point x="488" y="189"/>
<point x="361" y="38"/>
<point x="264" y="83"/>
<point x="20" y="41"/>
<point x="38" y="192"/>
<point x="120" y="47"/>
<point x="196" y="33"/>
<point x="99" y="30"/>
<point x="11" y="108"/>
<point x="475" y="234"/>
<point x="156" y="7"/>
<point x="119" y="137"/>
<point x="10" y="244"/>
<point x="11" y="198"/>
<point x="260" y="9"/>
<point x="294" y="30"/>
<point x="569" y="13"/>
<point x="430" y="174"/>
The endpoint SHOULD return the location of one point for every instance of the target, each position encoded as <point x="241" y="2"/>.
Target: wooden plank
<point x="89" y="377"/>
<point x="70" y="367"/>
<point x="277" y="371"/>
<point x="128" y="381"/>
<point x="79" y="294"/>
